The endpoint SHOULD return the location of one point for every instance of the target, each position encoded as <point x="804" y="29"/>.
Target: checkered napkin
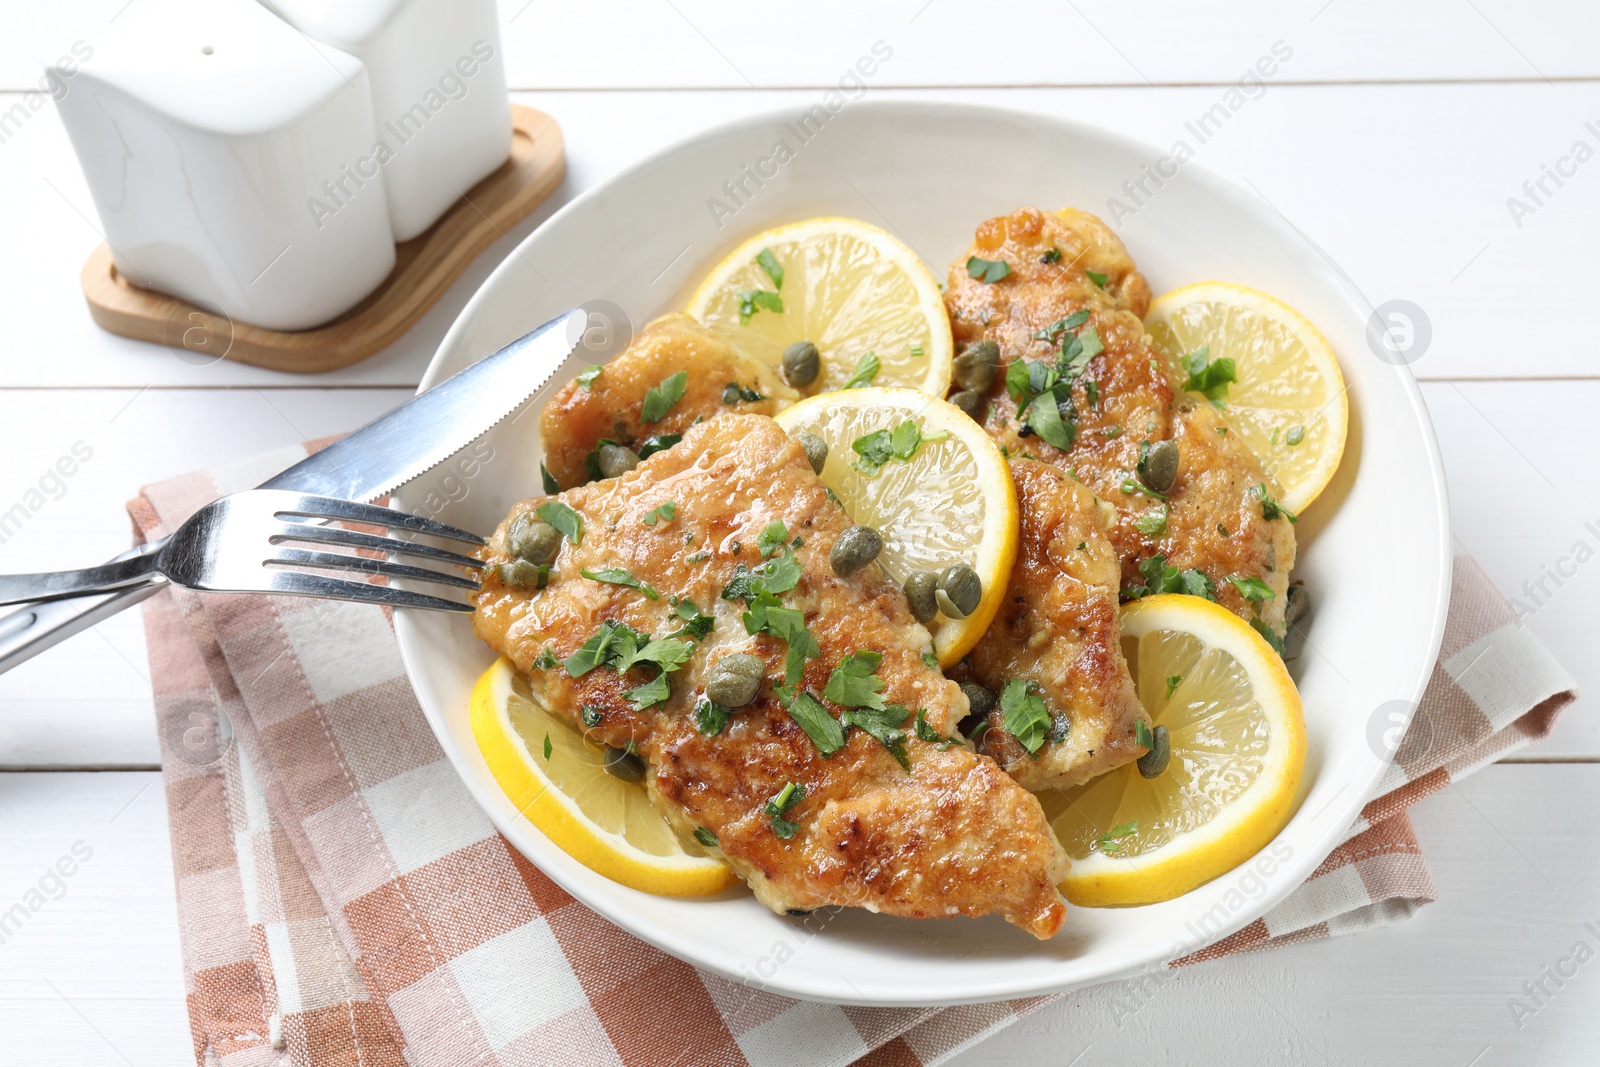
<point x="342" y="900"/>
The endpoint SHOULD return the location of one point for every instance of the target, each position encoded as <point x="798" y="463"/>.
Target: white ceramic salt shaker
<point x="438" y="92"/>
<point x="204" y="127"/>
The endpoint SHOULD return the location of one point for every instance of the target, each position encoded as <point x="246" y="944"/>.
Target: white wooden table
<point x="1393" y="137"/>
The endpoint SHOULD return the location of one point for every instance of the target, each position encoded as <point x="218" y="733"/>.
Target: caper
<point x="1296" y="604"/>
<point x="816" y="449"/>
<point x="1154" y="762"/>
<point x="1159" y="467"/>
<point x="735" y="680"/>
<point x="520" y="574"/>
<point x="971" y="402"/>
<point x="974" y="368"/>
<point x="615" y="460"/>
<point x="980" y="700"/>
<point x="958" y="591"/>
<point x="855" y="548"/>
<point x="623" y="765"/>
<point x="801" y="364"/>
<point x="533" y="540"/>
<point x="919" y="591"/>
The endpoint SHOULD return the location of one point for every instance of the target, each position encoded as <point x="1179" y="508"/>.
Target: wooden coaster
<point x="425" y="267"/>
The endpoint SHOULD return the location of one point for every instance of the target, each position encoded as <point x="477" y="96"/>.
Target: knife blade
<point x="380" y="457"/>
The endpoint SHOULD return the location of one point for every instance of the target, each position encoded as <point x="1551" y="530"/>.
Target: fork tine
<point x="297" y="557"/>
<point x="294" y="583"/>
<point x="332" y="535"/>
<point x="327" y="507"/>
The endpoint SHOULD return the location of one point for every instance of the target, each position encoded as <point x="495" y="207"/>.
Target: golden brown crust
<point x="954" y="836"/>
<point x="1215" y="525"/>
<point x="1058" y="629"/>
<point x="611" y="406"/>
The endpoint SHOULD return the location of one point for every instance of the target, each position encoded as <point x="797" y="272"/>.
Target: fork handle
<point x="56" y="585"/>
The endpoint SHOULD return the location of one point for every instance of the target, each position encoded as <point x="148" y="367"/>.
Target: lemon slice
<point x="554" y="777"/>
<point x="1288" y="403"/>
<point x="1238" y="746"/>
<point x="849" y="288"/>
<point x="951" y="502"/>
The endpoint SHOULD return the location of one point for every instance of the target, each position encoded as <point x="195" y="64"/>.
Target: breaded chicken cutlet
<point x="839" y="789"/>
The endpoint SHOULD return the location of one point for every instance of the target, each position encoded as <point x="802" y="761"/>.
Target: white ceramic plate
<point x="1374" y="549"/>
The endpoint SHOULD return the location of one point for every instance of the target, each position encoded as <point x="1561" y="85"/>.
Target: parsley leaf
<point x="666" y="511"/>
<point x="551" y="486"/>
<point x="754" y="300"/>
<point x="1061" y="326"/>
<point x="1044" y="417"/>
<point x="547" y="659"/>
<point x="772" y="539"/>
<point x="711" y="717"/>
<point x="1173" y="683"/>
<point x="587" y="376"/>
<point x="824" y="730"/>
<point x="875" y="449"/>
<point x="1153" y="523"/>
<point x="769" y="263"/>
<point x="696" y="623"/>
<point x="1098" y="278"/>
<point x="1052" y="256"/>
<point x="884" y="724"/>
<point x="924" y="731"/>
<point x="1271" y="638"/>
<point x="655" y="691"/>
<point x="705" y="837"/>
<point x="1024" y="714"/>
<point x="547" y="747"/>
<point x="1270" y="508"/>
<point x="733" y="393"/>
<point x="1251" y="588"/>
<point x="665" y="652"/>
<point x="987" y="271"/>
<point x="1161" y="577"/>
<point x="930" y="661"/>
<point x="566" y="521"/>
<point x="592" y="652"/>
<point x="867" y="368"/>
<point x="787" y="797"/>
<point x="1209" y="379"/>
<point x="619" y="576"/>
<point x="590" y="715"/>
<point x="855" y="682"/>
<point x="658" y="399"/>
<point x="1091" y="391"/>
<point x="658" y="443"/>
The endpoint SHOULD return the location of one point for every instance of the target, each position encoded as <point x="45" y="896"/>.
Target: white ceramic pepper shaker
<point x="438" y="80"/>
<point x="203" y="127"/>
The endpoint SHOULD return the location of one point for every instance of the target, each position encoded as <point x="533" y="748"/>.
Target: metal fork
<point x="244" y="544"/>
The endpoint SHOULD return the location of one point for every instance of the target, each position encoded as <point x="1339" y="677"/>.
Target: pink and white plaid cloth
<point x="342" y="900"/>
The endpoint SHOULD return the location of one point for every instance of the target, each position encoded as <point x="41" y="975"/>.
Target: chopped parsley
<point x="1091" y="392"/>
<point x="769" y="263"/>
<point x="1098" y="278"/>
<point x="1295" y="435"/>
<point x="867" y="368"/>
<point x="1110" y="841"/>
<point x="590" y="714"/>
<point x="1270" y="508"/>
<point x="1173" y="683"/>
<point x="566" y="521"/>
<point x="1271" y="638"/>
<point x="885" y="724"/>
<point x="987" y="271"/>
<point x="916" y="349"/>
<point x="619" y="576"/>
<point x="658" y="443"/>
<point x="774" y="576"/>
<point x="655" y="691"/>
<point x="1253" y="589"/>
<point x="1043" y="391"/>
<point x="705" y="837"/>
<point x="666" y="511"/>
<point x="620" y="647"/>
<point x="759" y="589"/>
<point x="787" y="797"/>
<point x="877" y="448"/>
<point x="546" y="660"/>
<point x="696" y="623"/>
<point x="754" y="300"/>
<point x="825" y="731"/>
<point x="855" y="682"/>
<point x="547" y="746"/>
<point x="734" y="393"/>
<point x="925" y="732"/>
<point x="711" y="717"/>
<point x="551" y="486"/>
<point x="1024" y="715"/>
<point x="772" y="539"/>
<point x="1153" y="523"/>
<point x="1161" y="577"/>
<point x="587" y="376"/>
<point x="930" y="661"/>
<point x="1209" y="378"/>
<point x="1052" y="256"/>
<point x="1142" y="734"/>
<point x="658" y="399"/>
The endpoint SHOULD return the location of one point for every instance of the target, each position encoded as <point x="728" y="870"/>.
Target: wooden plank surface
<point x="95" y="974"/>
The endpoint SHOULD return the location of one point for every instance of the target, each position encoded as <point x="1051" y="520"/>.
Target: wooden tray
<point x="424" y="268"/>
